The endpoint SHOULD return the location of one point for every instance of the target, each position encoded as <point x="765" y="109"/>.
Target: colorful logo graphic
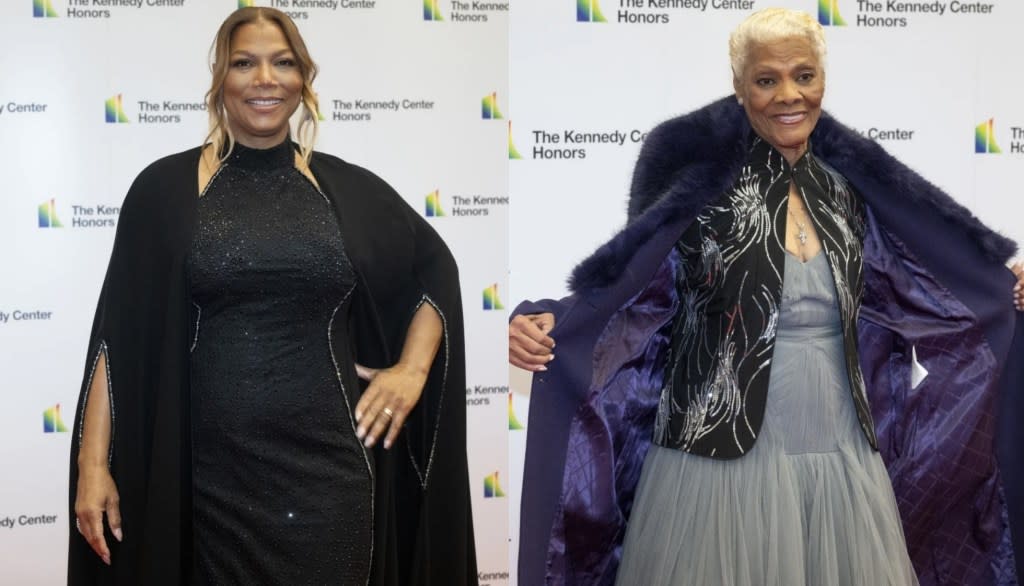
<point x="491" y="300"/>
<point x="492" y="488"/>
<point x="431" y="10"/>
<point x="52" y="421"/>
<point x="43" y="9"/>
<point x="588" y="11"/>
<point x="512" y="152"/>
<point x="246" y="3"/>
<point x="513" y="421"/>
<point x="48" y="215"/>
<point x="115" y="110"/>
<point x="434" y="209"/>
<point x="828" y="13"/>
<point x="319" y="109"/>
<point x="985" y="138"/>
<point x="489" y="107"/>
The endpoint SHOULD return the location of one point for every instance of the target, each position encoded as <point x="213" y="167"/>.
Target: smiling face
<point x="782" y="85"/>
<point x="263" y="87"/>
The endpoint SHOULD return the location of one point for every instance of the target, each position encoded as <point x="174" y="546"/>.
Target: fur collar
<point x="687" y="161"/>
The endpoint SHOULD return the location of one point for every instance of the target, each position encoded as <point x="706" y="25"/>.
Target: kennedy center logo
<point x="492" y="488"/>
<point x="43" y="9"/>
<point x="513" y="421"/>
<point x="489" y="107"/>
<point x="985" y="139"/>
<point x="491" y="299"/>
<point x="431" y="10"/>
<point x="589" y="11"/>
<point x="433" y="205"/>
<point x="48" y="215"/>
<point x="513" y="153"/>
<point x="319" y="109"/>
<point x="828" y="13"/>
<point x="114" y="110"/>
<point x="52" y="421"/>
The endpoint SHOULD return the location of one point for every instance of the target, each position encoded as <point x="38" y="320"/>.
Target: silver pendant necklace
<point x="801" y="234"/>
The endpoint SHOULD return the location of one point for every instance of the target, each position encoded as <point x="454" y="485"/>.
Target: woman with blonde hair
<point x="223" y="435"/>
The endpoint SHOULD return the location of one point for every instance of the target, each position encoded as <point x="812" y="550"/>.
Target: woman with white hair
<point x="769" y="254"/>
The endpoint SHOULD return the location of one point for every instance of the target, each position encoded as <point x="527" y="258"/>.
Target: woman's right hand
<point x="529" y="345"/>
<point x="97" y="494"/>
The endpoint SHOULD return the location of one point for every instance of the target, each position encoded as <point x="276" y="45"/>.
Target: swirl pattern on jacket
<point x="730" y="289"/>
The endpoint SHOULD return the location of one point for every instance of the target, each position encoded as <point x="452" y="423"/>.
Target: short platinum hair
<point x="772" y="25"/>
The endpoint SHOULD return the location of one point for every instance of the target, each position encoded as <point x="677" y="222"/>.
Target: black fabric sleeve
<point x="436" y="430"/>
<point x="141" y="325"/>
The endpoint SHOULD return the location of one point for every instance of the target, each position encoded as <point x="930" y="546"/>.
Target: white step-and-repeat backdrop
<point x="94" y="90"/>
<point x="424" y="93"/>
<point x="936" y="82"/>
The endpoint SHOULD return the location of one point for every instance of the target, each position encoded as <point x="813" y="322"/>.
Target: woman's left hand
<point x="1018" y="289"/>
<point x="392" y="394"/>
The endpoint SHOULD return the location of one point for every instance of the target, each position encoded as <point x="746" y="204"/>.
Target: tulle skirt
<point x="810" y="504"/>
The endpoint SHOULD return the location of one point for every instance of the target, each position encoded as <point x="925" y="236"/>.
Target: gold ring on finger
<point x="388" y="412"/>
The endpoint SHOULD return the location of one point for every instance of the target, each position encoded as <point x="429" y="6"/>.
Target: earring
<point x="740" y="100"/>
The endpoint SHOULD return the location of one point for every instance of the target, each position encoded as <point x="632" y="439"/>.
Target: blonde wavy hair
<point x="771" y="25"/>
<point x="220" y="132"/>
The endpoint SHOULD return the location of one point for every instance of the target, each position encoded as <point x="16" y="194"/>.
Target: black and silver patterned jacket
<point x="730" y="285"/>
<point x="935" y="292"/>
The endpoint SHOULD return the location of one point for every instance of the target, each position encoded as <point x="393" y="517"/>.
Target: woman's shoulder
<point x="162" y="183"/>
<point x="707" y="143"/>
<point x="340" y="177"/>
<point x="334" y="165"/>
<point x="699" y="133"/>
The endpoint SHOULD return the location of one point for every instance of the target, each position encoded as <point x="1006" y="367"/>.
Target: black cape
<point x="423" y="533"/>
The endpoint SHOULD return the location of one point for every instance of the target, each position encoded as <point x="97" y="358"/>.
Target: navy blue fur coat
<point x="935" y="283"/>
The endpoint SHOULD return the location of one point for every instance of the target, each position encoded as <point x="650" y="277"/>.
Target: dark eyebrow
<point x="799" y="67"/>
<point x="242" y="53"/>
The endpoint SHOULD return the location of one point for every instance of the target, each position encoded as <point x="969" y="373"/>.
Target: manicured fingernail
<point x="106" y="559"/>
<point x="360" y="432"/>
<point x="541" y="368"/>
<point x="387" y="444"/>
<point x="551" y="357"/>
<point x="359" y="415"/>
<point x="369" y="441"/>
<point x="117" y="534"/>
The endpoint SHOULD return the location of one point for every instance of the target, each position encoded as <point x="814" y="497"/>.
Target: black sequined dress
<point x="281" y="486"/>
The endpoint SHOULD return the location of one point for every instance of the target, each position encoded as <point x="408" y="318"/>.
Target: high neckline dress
<point x="811" y="504"/>
<point x="281" y="485"/>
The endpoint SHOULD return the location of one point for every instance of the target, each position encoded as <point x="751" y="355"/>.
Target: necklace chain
<point x="801" y="234"/>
